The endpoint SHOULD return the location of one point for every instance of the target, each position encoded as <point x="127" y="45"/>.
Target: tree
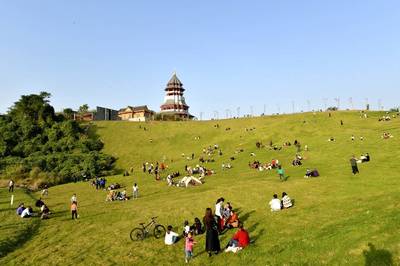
<point x="37" y="144"/>
<point x="68" y="113"/>
<point x="83" y="109"/>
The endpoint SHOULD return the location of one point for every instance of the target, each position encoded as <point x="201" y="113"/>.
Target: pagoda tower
<point x="174" y="101"/>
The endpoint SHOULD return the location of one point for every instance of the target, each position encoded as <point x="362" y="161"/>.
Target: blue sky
<point x="228" y="54"/>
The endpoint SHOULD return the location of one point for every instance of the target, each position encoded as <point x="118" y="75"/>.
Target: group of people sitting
<point x="27" y="212"/>
<point x="267" y="166"/>
<point x="225" y="216"/>
<point x="113" y="195"/>
<point x="311" y="173"/>
<point x="170" y="178"/>
<point x="277" y="204"/>
<point x="226" y="166"/>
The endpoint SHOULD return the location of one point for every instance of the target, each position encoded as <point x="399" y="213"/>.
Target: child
<point x="186" y="228"/>
<point x="74" y="210"/>
<point x="189" y="247"/>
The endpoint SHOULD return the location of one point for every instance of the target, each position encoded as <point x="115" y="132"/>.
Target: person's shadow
<point x="377" y="257"/>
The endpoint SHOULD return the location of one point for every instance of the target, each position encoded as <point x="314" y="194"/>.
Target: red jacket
<point x="242" y="236"/>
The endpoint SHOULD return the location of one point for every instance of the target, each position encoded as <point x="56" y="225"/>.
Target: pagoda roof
<point x="174" y="80"/>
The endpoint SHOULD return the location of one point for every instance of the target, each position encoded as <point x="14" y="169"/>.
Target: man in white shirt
<point x="170" y="236"/>
<point x="275" y="204"/>
<point x="74" y="199"/>
<point x="26" y="213"/>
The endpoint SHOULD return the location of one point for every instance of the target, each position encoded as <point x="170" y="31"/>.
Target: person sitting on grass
<point x="45" y="212"/>
<point x="286" y="202"/>
<point x="170" y="236"/>
<point x="239" y="241"/>
<point x="39" y="203"/>
<point x="20" y="209"/>
<point x="233" y="220"/>
<point x="27" y="212"/>
<point x="275" y="203"/>
<point x="186" y="228"/>
<point x="197" y="227"/>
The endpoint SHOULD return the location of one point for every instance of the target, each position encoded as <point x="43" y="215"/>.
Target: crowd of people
<point x="214" y="224"/>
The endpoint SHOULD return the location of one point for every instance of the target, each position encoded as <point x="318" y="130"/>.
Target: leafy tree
<point x="68" y="113"/>
<point x="83" y="109"/>
<point x="35" y="143"/>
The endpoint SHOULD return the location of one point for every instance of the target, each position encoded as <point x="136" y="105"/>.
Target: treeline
<point x="38" y="146"/>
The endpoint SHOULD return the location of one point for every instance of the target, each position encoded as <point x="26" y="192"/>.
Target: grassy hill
<point x="338" y="218"/>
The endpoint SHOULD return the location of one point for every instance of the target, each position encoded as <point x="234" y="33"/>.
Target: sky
<point x="272" y="56"/>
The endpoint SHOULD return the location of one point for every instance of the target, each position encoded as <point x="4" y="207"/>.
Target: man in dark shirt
<point x="354" y="167"/>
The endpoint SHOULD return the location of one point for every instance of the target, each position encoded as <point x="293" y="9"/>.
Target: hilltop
<point x="338" y="218"/>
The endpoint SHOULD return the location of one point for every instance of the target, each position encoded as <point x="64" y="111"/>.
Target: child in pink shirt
<point x="189" y="247"/>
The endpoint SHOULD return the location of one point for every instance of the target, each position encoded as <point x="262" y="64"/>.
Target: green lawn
<point x="338" y="218"/>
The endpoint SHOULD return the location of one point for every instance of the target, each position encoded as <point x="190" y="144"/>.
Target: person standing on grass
<point x="135" y="191"/>
<point x="189" y="243"/>
<point x="212" y="240"/>
<point x="11" y="186"/>
<point x="281" y="173"/>
<point x="354" y="167"/>
<point x="74" y="210"/>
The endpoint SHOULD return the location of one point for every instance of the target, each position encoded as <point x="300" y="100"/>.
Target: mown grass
<point x="338" y="218"/>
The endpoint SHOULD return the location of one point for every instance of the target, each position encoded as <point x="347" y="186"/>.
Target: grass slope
<point x="338" y="218"/>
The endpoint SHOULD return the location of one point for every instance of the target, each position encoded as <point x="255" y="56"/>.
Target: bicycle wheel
<point x="159" y="231"/>
<point x="137" y="234"/>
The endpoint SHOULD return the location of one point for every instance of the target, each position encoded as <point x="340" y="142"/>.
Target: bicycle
<point x="138" y="234"/>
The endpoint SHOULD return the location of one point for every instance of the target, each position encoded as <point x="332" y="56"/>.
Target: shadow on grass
<point x="246" y="216"/>
<point x="11" y="244"/>
<point x="377" y="257"/>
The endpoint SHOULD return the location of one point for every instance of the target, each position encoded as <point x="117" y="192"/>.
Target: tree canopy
<point x="37" y="144"/>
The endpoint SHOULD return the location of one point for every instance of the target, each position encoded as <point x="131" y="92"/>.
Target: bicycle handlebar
<point x="154" y="218"/>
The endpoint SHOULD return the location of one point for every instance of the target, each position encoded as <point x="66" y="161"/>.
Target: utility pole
<point x="309" y="105"/>
<point x="351" y="103"/>
<point x="293" y="108"/>
<point x="238" y="112"/>
<point x="201" y="116"/>
<point x="325" y="103"/>
<point x="380" y="107"/>
<point x="265" y="109"/>
<point x="251" y="110"/>
<point x="337" y="100"/>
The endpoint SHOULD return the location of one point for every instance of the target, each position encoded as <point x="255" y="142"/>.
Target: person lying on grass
<point x="313" y="173"/>
<point x="20" y="209"/>
<point x="170" y="236"/>
<point x="27" y="212"/>
<point x="239" y="241"/>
